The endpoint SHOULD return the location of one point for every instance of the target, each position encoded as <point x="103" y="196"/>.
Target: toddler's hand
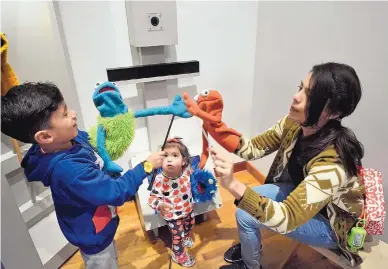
<point x="156" y="159"/>
<point x="164" y="209"/>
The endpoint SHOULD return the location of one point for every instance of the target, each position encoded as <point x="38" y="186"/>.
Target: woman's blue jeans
<point x="316" y="232"/>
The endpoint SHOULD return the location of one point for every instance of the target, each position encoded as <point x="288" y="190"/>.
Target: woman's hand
<point x="224" y="170"/>
<point x="223" y="167"/>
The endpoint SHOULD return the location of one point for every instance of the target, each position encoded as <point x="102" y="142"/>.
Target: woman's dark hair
<point x="337" y="88"/>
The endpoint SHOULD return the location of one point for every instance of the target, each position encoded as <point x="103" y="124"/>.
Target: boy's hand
<point x="156" y="159"/>
<point x="164" y="209"/>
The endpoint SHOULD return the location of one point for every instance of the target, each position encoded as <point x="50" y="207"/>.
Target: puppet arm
<point x="205" y="152"/>
<point x="177" y="108"/>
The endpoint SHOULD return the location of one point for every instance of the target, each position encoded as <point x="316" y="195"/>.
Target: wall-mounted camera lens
<point x="155" y="21"/>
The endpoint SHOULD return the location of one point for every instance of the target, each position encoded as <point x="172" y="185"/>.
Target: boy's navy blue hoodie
<point x="79" y="188"/>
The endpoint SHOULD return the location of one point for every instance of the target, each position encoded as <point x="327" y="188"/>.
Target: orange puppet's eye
<point x="205" y="93"/>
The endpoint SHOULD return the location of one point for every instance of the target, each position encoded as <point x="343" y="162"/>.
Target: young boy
<point x="85" y="198"/>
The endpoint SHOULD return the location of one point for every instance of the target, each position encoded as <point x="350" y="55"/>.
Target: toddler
<point x="171" y="196"/>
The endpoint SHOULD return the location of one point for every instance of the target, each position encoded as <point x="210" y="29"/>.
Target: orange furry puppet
<point x="8" y="76"/>
<point x="208" y="106"/>
<point x="8" y="80"/>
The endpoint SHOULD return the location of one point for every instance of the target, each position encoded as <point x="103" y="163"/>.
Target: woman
<point x="313" y="192"/>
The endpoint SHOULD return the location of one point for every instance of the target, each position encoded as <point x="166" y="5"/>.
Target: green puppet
<point x="115" y="129"/>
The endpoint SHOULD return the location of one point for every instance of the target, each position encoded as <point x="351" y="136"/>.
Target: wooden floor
<point x="212" y="239"/>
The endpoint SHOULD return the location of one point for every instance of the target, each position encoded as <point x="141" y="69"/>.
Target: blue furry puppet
<point x="203" y="183"/>
<point x="115" y="128"/>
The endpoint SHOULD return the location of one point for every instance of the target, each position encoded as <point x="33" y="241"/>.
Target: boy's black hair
<point x="27" y="108"/>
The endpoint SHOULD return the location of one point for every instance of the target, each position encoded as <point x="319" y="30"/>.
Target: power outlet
<point x="155" y="22"/>
<point x="152" y="24"/>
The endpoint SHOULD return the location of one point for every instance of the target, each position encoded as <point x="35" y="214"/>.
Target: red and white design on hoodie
<point x="175" y="192"/>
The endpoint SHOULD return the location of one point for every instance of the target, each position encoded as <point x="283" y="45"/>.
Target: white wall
<point x="97" y="38"/>
<point x="36" y="53"/>
<point x="96" y="35"/>
<point x="35" y="47"/>
<point x="292" y="37"/>
<point x="221" y="35"/>
<point x="35" y="50"/>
